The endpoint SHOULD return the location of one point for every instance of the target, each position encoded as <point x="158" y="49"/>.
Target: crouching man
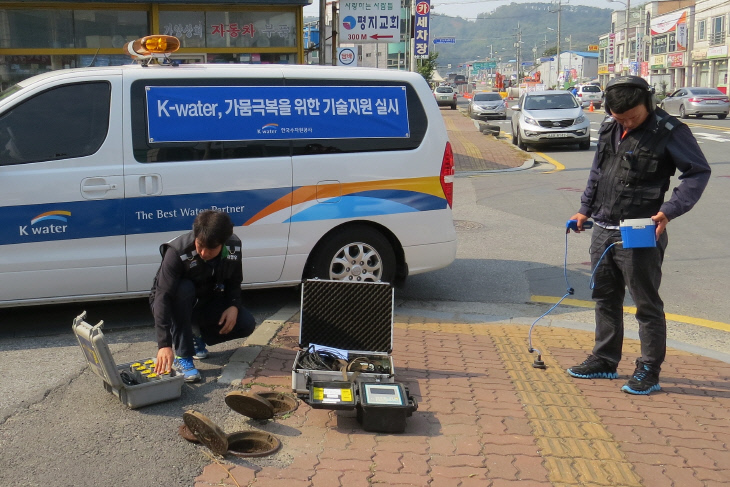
<point x="196" y="294"/>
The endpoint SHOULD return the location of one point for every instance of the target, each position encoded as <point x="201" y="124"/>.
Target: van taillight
<point x="447" y="174"/>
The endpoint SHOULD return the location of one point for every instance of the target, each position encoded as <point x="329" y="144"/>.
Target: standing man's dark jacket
<point x="218" y="278"/>
<point x="631" y="180"/>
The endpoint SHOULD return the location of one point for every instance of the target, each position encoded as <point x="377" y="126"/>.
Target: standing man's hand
<point x="661" y="220"/>
<point x="165" y="358"/>
<point x="581" y="219"/>
<point x="228" y="320"/>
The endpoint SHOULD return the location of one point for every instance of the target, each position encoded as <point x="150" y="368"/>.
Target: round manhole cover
<point x="467" y="225"/>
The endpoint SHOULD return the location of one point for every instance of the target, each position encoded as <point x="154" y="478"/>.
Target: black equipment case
<point x="353" y="316"/>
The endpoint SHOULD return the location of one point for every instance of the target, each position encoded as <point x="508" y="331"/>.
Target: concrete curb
<point x="242" y="358"/>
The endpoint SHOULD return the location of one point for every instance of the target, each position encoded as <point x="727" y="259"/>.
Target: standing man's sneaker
<point x="200" y="351"/>
<point x="594" y="368"/>
<point x="644" y="380"/>
<point x="185" y="366"/>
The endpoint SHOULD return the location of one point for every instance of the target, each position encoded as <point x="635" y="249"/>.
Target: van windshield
<point x="550" y="102"/>
<point x="487" y="97"/>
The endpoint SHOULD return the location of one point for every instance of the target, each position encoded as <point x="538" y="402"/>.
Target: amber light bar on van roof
<point x="152" y="46"/>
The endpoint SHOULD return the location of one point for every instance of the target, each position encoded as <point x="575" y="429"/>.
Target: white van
<point x="337" y="173"/>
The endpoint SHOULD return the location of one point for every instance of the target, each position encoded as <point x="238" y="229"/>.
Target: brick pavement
<point x="474" y="151"/>
<point x="487" y="418"/>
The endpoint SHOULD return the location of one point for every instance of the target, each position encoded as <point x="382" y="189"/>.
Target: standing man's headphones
<point x="631" y="82"/>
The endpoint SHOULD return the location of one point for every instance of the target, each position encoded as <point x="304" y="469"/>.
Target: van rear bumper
<point x="429" y="257"/>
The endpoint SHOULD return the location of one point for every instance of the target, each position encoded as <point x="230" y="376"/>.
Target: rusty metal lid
<point x="250" y="404"/>
<point x="206" y="431"/>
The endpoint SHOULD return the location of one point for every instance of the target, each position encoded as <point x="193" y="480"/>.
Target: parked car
<point x="589" y="93"/>
<point x="551" y="117"/>
<point x="698" y="102"/>
<point x="445" y="96"/>
<point x="487" y="105"/>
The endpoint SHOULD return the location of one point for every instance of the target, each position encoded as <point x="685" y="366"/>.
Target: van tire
<point x="359" y="242"/>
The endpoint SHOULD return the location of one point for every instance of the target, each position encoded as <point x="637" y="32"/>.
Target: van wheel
<point x="722" y="116"/>
<point x="358" y="254"/>
<point x="514" y="136"/>
<point x="584" y="145"/>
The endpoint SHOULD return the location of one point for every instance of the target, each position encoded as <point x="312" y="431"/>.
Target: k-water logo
<point x="45" y="223"/>
<point x="269" y="128"/>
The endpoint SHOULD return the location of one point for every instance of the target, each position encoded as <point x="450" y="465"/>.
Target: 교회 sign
<point x="366" y="21"/>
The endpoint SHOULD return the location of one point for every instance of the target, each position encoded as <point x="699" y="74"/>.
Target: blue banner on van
<point x="222" y="113"/>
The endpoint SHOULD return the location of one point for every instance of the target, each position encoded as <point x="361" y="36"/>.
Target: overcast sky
<point x="469" y="9"/>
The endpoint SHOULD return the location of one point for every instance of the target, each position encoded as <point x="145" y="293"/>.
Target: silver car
<point x="487" y="105"/>
<point x="551" y="117"/>
<point x="697" y="102"/>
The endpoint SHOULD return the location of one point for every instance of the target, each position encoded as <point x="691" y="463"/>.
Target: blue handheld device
<point x="573" y="225"/>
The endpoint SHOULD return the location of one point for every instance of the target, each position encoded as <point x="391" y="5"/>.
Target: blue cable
<point x="568" y="292"/>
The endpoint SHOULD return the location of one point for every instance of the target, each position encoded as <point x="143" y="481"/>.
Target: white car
<point x="551" y="117"/>
<point x="589" y="93"/>
<point x="445" y="96"/>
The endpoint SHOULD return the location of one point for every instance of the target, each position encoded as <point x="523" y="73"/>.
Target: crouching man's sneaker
<point x="594" y="368"/>
<point x="644" y="380"/>
<point x="185" y="366"/>
<point x="200" y="351"/>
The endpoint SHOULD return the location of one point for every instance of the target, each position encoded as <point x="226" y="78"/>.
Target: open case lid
<point x="97" y="353"/>
<point x="347" y="315"/>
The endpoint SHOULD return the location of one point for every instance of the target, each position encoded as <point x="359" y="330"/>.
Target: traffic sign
<point x="444" y="40"/>
<point x="367" y="21"/>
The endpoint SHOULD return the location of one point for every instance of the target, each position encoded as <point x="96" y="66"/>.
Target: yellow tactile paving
<point x="576" y="446"/>
<point x="471" y="149"/>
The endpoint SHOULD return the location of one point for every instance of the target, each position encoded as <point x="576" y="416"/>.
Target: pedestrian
<point x="196" y="294"/>
<point x="639" y="148"/>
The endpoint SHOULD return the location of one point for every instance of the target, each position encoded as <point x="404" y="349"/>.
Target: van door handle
<point x="95" y="186"/>
<point x="149" y="184"/>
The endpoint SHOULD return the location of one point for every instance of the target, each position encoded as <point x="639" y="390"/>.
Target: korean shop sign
<point x="422" y="28"/>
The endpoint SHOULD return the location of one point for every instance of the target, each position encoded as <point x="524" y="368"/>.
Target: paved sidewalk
<point x="487" y="418"/>
<point x="474" y="151"/>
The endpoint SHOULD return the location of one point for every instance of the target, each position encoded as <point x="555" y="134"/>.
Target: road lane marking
<point x="715" y="325"/>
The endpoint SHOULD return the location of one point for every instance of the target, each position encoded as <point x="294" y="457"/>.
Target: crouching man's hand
<point x="165" y="357"/>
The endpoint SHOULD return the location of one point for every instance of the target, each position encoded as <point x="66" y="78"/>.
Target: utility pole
<point x="335" y="39"/>
<point x="559" y="8"/>
<point x="322" y="30"/>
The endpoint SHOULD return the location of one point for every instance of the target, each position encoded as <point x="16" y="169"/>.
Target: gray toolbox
<point x="356" y="317"/>
<point x="100" y="360"/>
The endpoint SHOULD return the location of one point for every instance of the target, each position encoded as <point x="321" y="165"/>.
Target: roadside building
<point x="711" y="52"/>
<point x="575" y="67"/>
<point x="42" y="36"/>
<point x="670" y="47"/>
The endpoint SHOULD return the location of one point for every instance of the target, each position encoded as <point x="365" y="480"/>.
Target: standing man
<point x="198" y="288"/>
<point x="639" y="149"/>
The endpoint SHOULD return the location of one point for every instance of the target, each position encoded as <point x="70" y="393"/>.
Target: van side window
<point x="61" y="123"/>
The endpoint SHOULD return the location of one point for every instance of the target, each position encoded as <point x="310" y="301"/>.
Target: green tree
<point x="426" y="67"/>
<point x="550" y="51"/>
